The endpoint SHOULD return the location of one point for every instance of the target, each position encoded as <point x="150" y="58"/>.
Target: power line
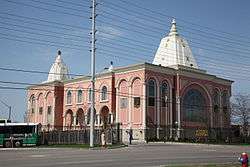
<point x="134" y="57"/>
<point x="78" y="36"/>
<point x="45" y="21"/>
<point x="37" y="29"/>
<point x="188" y="22"/>
<point x="60" y="6"/>
<point x="220" y="50"/>
<point x="41" y="8"/>
<point x="41" y="34"/>
<point x="154" y="20"/>
<point x="73" y="3"/>
<point x="139" y="58"/>
<point x="38" y="43"/>
<point x="41" y="40"/>
<point x="33" y="71"/>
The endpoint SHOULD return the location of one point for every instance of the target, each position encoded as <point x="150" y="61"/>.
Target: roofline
<point x="144" y="65"/>
<point x="56" y="83"/>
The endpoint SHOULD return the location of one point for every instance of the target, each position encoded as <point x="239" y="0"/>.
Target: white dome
<point x="174" y="50"/>
<point x="58" y="71"/>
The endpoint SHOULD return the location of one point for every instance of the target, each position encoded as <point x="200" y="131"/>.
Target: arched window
<point x="164" y="95"/>
<point x="216" y="101"/>
<point x="151" y="93"/>
<point x="69" y="97"/>
<point x="79" y="96"/>
<point x="89" y="94"/>
<point x="225" y="101"/>
<point x="194" y="106"/>
<point x="69" y="118"/>
<point x="104" y="93"/>
<point x="32" y="104"/>
<point x="80" y="117"/>
<point x="109" y="119"/>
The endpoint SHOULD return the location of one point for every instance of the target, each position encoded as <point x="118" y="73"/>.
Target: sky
<point x="128" y="32"/>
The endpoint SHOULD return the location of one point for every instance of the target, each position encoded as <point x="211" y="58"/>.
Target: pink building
<point x="166" y="99"/>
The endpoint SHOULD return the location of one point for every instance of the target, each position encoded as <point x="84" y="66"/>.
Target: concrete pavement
<point x="154" y="154"/>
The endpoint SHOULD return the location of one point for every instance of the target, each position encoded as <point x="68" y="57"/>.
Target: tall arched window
<point x="104" y="93"/>
<point x="32" y="104"/>
<point x="89" y="95"/>
<point x="216" y="101"/>
<point x="164" y="94"/>
<point x="69" y="118"/>
<point x="151" y="93"/>
<point x="69" y="97"/>
<point x="225" y="101"/>
<point x="194" y="107"/>
<point x="80" y="117"/>
<point x="79" y="96"/>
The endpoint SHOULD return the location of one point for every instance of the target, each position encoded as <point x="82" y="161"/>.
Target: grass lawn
<point x="86" y="146"/>
<point x="208" y="165"/>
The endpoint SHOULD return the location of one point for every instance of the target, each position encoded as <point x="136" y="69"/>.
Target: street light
<point x="9" y="107"/>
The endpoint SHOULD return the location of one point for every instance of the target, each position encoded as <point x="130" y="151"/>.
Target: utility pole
<point x="93" y="40"/>
<point x="9" y="107"/>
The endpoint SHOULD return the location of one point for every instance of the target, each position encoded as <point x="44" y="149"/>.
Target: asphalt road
<point x="157" y="154"/>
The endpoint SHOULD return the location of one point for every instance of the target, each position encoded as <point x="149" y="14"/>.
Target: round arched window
<point x="79" y="96"/>
<point x="151" y="93"/>
<point x="193" y="106"/>
<point x="164" y="94"/>
<point x="216" y="101"/>
<point x="104" y="93"/>
<point x="69" y="97"/>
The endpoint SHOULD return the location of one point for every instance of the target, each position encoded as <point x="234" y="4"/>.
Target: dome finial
<point x="59" y="52"/>
<point x="58" y="71"/>
<point x="173" y="30"/>
<point x="173" y="21"/>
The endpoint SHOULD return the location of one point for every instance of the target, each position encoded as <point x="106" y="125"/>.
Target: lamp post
<point x="9" y="107"/>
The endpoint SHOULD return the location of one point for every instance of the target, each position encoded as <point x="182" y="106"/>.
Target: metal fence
<point x="196" y="134"/>
<point x="81" y="136"/>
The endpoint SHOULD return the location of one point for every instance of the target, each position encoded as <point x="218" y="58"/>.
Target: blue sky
<point x="31" y="32"/>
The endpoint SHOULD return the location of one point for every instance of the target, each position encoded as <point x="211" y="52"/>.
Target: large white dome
<point x="174" y="50"/>
<point x="58" y="71"/>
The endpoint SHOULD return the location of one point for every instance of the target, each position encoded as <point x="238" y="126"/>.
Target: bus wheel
<point x="18" y="144"/>
<point x="7" y="144"/>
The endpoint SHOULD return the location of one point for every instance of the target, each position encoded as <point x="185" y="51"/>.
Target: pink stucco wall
<point x="123" y="84"/>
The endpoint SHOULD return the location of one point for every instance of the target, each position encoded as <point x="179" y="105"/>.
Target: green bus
<point x="19" y="134"/>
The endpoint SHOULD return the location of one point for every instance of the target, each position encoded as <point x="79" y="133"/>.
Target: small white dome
<point x="174" y="50"/>
<point x="58" y="71"/>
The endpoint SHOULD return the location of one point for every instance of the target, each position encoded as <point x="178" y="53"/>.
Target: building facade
<point x="170" y="98"/>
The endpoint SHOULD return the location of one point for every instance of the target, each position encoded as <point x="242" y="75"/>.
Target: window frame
<point x="40" y="110"/>
<point x="216" y="101"/>
<point x="122" y="104"/>
<point x="89" y="95"/>
<point x="164" y="94"/>
<point x="139" y="101"/>
<point x="104" y="94"/>
<point x="69" y="102"/>
<point x="151" y="98"/>
<point x="77" y="97"/>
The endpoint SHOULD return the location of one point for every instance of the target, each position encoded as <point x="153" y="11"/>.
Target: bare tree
<point x="241" y="112"/>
